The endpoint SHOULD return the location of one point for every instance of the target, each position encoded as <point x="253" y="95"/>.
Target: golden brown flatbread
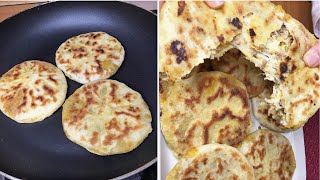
<point x="89" y="57"/>
<point x="106" y="117"/>
<point x="208" y="107"/>
<point x="212" y="161"/>
<point x="32" y="91"/>
<point x="270" y="154"/>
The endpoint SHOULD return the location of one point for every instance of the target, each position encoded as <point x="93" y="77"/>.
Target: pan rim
<point x="137" y="170"/>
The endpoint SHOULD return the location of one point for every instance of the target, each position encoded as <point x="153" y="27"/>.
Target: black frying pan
<point x="41" y="150"/>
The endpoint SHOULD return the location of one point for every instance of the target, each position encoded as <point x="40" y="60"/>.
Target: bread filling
<point x="279" y="41"/>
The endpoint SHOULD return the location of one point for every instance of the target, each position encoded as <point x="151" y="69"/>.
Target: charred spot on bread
<point x="220" y="38"/>
<point x="178" y="49"/>
<point x="251" y="32"/>
<point x="181" y="7"/>
<point x="283" y="69"/>
<point x="236" y="22"/>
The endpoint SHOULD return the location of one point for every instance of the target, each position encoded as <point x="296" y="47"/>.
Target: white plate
<point x="296" y="138"/>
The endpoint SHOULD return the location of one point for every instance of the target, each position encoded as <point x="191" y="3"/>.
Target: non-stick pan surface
<point x="41" y="150"/>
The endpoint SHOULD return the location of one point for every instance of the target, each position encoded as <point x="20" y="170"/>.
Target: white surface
<point x="296" y="138"/>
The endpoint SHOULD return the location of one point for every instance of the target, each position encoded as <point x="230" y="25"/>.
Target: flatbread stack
<point x="268" y="37"/>
<point x="212" y="161"/>
<point x="234" y="63"/>
<point x="32" y="91"/>
<point x="89" y="57"/>
<point x="261" y="46"/>
<point x="270" y="154"/>
<point x="206" y="108"/>
<point x="106" y="117"/>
